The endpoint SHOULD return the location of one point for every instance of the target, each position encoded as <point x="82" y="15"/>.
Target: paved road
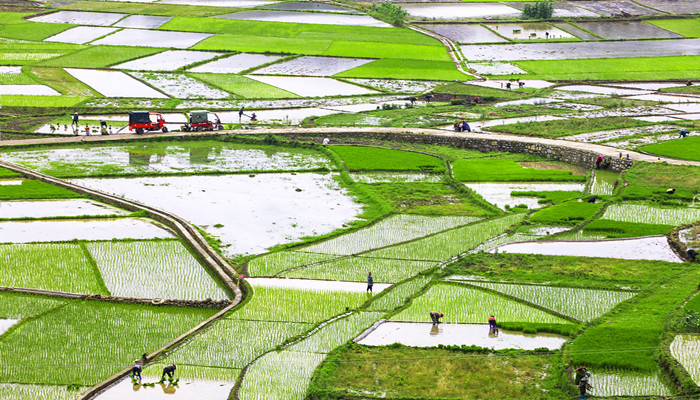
<point x="592" y="147"/>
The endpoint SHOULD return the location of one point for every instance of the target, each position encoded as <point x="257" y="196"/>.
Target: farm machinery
<point x="141" y="121"/>
<point x="201" y="121"/>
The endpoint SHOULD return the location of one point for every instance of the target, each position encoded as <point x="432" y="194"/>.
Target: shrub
<point x="538" y="10"/>
<point x="388" y="12"/>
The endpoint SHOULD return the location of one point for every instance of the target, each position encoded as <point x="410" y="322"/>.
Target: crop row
<point x="357" y="268"/>
<point x="582" y="304"/>
<point x="337" y="332"/>
<point x="462" y="304"/>
<point x="18" y="306"/>
<point x="399" y="294"/>
<point x="280" y="375"/>
<point x="273" y="263"/>
<point x="15" y="391"/>
<point x="609" y="384"/>
<point x="641" y="213"/>
<point x="685" y="349"/>
<point x="507" y="171"/>
<point x="358" y="158"/>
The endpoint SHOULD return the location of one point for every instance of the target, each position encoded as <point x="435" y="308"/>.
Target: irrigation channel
<point x="285" y="371"/>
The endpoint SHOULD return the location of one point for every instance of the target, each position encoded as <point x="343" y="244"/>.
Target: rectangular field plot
<point x="94" y="338"/>
<point x="33" y="189"/>
<point x="499" y="194"/>
<point x="16" y="306"/>
<point x="273" y="263"/>
<point x="51" y="266"/>
<point x="307" y="18"/>
<point x="582" y="304"/>
<point x="312" y="87"/>
<point x="236" y="63"/>
<point x="611" y="383"/>
<point x="297" y="305"/>
<point x="640" y="213"/>
<point x="15" y="391"/>
<point x="685" y="349"/>
<point x="398" y="295"/>
<point x="462" y="304"/>
<point x="154" y="269"/>
<point x="313" y="66"/>
<point x="389" y="177"/>
<point x="80" y="18"/>
<point x="220" y="3"/>
<point x="80" y="34"/>
<point x="142" y="22"/>
<point x="389" y="231"/>
<point x="169" y="60"/>
<point x="181" y="86"/>
<point x="356" y="269"/>
<point x="56" y="208"/>
<point x="627" y="30"/>
<point x="251" y="89"/>
<point x="151" y="38"/>
<point x="280" y="375"/>
<point x="28" y="90"/>
<point x="115" y="84"/>
<point x="65" y="230"/>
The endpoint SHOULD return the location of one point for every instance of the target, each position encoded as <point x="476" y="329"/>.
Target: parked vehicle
<point x="142" y="121"/>
<point x="203" y="121"/>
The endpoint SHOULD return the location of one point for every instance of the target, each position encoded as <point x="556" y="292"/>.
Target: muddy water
<point x="142" y="22"/>
<point x="236" y="63"/>
<point x="80" y="18"/>
<point x="529" y="31"/>
<point x="425" y="335"/>
<point x="673" y="7"/>
<point x="499" y="193"/>
<point x="465" y="33"/>
<point x="562" y="51"/>
<point x="459" y="11"/>
<point x="686" y="108"/>
<point x="309" y="284"/>
<point x="608" y="90"/>
<point x="249" y="214"/>
<point x="80" y="34"/>
<point x="610" y="8"/>
<point x="667" y="98"/>
<point x="194" y="389"/>
<point x="5" y="324"/>
<point x="307" y="18"/>
<point x="169" y="60"/>
<point x="65" y="230"/>
<point x="648" y="248"/>
<point x="314" y="66"/>
<point x="627" y="30"/>
<point x="55" y="208"/>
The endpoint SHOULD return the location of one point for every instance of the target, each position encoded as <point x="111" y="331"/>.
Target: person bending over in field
<point x="170" y="371"/>
<point x="492" y="323"/>
<point x="435" y="317"/>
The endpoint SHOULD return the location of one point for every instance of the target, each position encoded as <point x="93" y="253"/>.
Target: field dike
<point x="187" y="232"/>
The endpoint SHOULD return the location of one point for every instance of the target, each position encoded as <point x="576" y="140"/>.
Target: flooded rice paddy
<point x="646" y="248"/>
<point x="236" y="63"/>
<point x="313" y="66"/>
<point x="499" y="194"/>
<point x="80" y="34"/>
<point x="534" y="30"/>
<point x="627" y="30"/>
<point x="30" y="90"/>
<point x="388" y="177"/>
<point x="312" y="87"/>
<point x="180" y="86"/>
<point x="80" y="18"/>
<point x="602" y="136"/>
<point x="465" y="33"/>
<point x="614" y="8"/>
<point x="142" y="21"/>
<point x="81" y="229"/>
<point x="417" y="334"/>
<point x="307" y="18"/>
<point x="114" y="83"/>
<point x="186" y="389"/>
<point x="220" y="3"/>
<point x="685" y="349"/>
<point x="248" y="214"/>
<point x="309" y="284"/>
<point x="611" y="384"/>
<point x="5" y="324"/>
<point x="56" y="208"/>
<point x="560" y="9"/>
<point x="168" y="60"/>
<point x="496" y="69"/>
<point x="153" y="38"/>
<point x="459" y="10"/>
<point x="311" y="6"/>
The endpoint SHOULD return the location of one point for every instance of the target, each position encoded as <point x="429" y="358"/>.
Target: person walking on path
<point x="240" y="114"/>
<point x="435" y="317"/>
<point x="74" y="124"/>
<point x="170" y="371"/>
<point x="370" y="282"/>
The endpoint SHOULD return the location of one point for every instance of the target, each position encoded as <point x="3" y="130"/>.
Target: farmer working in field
<point x="584" y="385"/>
<point x="435" y="317"/>
<point x="170" y="371"/>
<point x="370" y="282"/>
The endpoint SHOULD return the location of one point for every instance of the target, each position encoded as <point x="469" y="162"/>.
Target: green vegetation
<point x="273" y="263"/>
<point x="6" y="173"/>
<point x="100" y="56"/>
<point x="31" y="189"/>
<point x="243" y="86"/>
<point x="356" y="268"/>
<point x="485" y="93"/>
<point x="337" y="332"/>
<point x="429" y="199"/>
<point x="549" y="196"/>
<point x="607" y="69"/>
<point x="40" y="101"/>
<point x="19" y="305"/>
<point x="647" y="214"/>
<point x="82" y="334"/>
<point x="375" y="158"/>
<point x="682" y="89"/>
<point x="151" y="8"/>
<point x="395" y="68"/>
<point x="567" y="127"/>
<point x="14" y="26"/>
<point x="685" y="27"/>
<point x="507" y="171"/>
<point x="280" y="375"/>
<point x="629" y="337"/>
<point x="568" y="213"/>
<point x="538" y="10"/>
<point x="649" y="182"/>
<point x="388" y="12"/>
<point x="62" y="81"/>
<point x="405" y="372"/>
<point x="17" y="79"/>
<point x="396" y="296"/>
<point x="616" y="229"/>
<point x="684" y="149"/>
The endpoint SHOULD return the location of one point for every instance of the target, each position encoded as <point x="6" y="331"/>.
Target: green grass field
<point x="243" y="86"/>
<point x="31" y="189"/>
<point x="14" y="26"/>
<point x="19" y="305"/>
<point x="6" y="173"/>
<point x="623" y="69"/>
<point x="407" y="69"/>
<point x="649" y="182"/>
<point x="687" y="148"/>
<point x="100" y="56"/>
<point x="362" y="158"/>
<point x="566" y="127"/>
<point x="570" y="212"/>
<point x="428" y="199"/>
<point x="17" y="79"/>
<point x="685" y="27"/>
<point x="507" y="171"/>
<point x="20" y="100"/>
<point x="149" y="8"/>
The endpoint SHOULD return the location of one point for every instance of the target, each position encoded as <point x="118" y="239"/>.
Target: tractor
<point x="200" y="121"/>
<point x="141" y="121"/>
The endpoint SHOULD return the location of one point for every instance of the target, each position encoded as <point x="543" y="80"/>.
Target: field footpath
<point x="452" y="49"/>
<point x="446" y="136"/>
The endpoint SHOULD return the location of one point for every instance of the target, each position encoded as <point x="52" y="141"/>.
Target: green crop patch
<point x="273" y="263"/>
<point x="616" y="229"/>
<point x="262" y="44"/>
<point x="6" y="173"/>
<point x="462" y="304"/>
<point x="35" y="190"/>
<point x="17" y="79"/>
<point x="62" y="81"/>
<point x="361" y="158"/>
<point x="684" y="149"/>
<point x="150" y="8"/>
<point x="20" y="305"/>
<point x="549" y="196"/>
<point x="507" y="171"/>
<point x="486" y="93"/>
<point x="14" y="26"/>
<point x="398" y="67"/>
<point x="52" y="266"/>
<point x="567" y="213"/>
<point x="356" y="268"/>
<point x="244" y="86"/>
<point x="100" y="56"/>
<point x="280" y="375"/>
<point x="604" y="69"/>
<point x="40" y="101"/>
<point x="337" y="332"/>
<point x="399" y="294"/>
<point x="643" y="213"/>
<point x="649" y="182"/>
<point x="90" y="340"/>
<point x="566" y="127"/>
<point x="428" y="199"/>
<point x="685" y="27"/>
<point x="13" y="391"/>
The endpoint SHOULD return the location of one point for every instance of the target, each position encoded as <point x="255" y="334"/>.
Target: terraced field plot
<point x="641" y="213"/>
<point x="65" y="230"/>
<point x="684" y="348"/>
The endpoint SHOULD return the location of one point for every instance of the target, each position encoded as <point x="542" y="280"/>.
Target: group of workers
<point x="168" y="371"/>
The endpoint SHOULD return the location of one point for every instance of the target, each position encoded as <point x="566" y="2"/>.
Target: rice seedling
<point x="398" y="294"/>
<point x="356" y="269"/>
<point x="232" y="343"/>
<point x="581" y="235"/>
<point x="570" y="212"/>
<point x="243" y="86"/>
<point x="32" y="189"/>
<point x="15" y="391"/>
<point x="462" y="304"/>
<point x="273" y="263"/>
<point x="376" y="158"/>
<point x="280" y="375"/>
<point x="187" y="372"/>
<point x="642" y="213"/>
<point x="583" y="304"/>
<point x="18" y="305"/>
<point x="84" y="342"/>
<point x="100" y="56"/>
<point x="40" y="101"/>
<point x="154" y="269"/>
<point x="16" y="79"/>
<point x="618" y="229"/>
<point x="297" y="305"/>
<point x="624" y="383"/>
<point x="397" y="68"/>
<point x="6" y="173"/>
<point x="51" y="266"/>
<point x="389" y="177"/>
<point x="337" y="332"/>
<point x="507" y="171"/>
<point x="685" y="349"/>
<point x="603" y="182"/>
<point x="445" y="245"/>
<point x="392" y="230"/>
